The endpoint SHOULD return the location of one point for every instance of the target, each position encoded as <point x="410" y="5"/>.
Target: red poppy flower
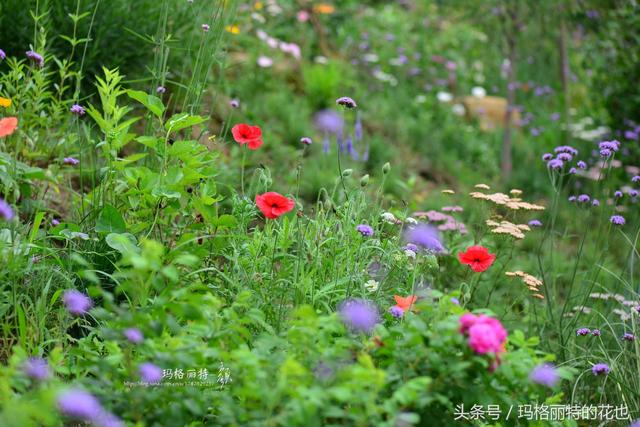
<point x="405" y="303"/>
<point x="7" y="126"/>
<point x="246" y="134"/>
<point x="273" y="204"/>
<point x="478" y="257"/>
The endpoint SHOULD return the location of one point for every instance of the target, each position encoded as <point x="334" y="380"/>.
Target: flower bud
<point x="364" y="181"/>
<point x="386" y="168"/>
<point x="347" y="173"/>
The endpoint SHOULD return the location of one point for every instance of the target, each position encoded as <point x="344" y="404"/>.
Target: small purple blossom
<point x="555" y="164"/>
<point x="160" y="90"/>
<point x="359" y="315"/>
<point x="572" y="199"/>
<point x="396" y="312"/>
<point x="546" y="157"/>
<point x="628" y="337"/>
<point x="605" y="152"/>
<point x="617" y="194"/>
<point x="411" y="247"/>
<point x="71" y="161"/>
<point x="617" y="220"/>
<point x="205" y="27"/>
<point x="554" y="117"/>
<point x="600" y="368"/>
<point x="55" y="222"/>
<point x="609" y="145"/>
<point x="306" y="140"/>
<point x="581" y="164"/>
<point x="346" y="102"/>
<point x="365" y="230"/>
<point x="633" y="193"/>
<point x="535" y="223"/>
<point x="5" y="211"/>
<point x="77" y="109"/>
<point x="595" y="202"/>
<point x="234" y="103"/>
<point x="565" y="157"/>
<point x="566" y="149"/>
<point x="37" y="368"/>
<point x="133" y="335"/>
<point x="36" y="58"/>
<point x="596" y="332"/>
<point x="425" y="236"/>
<point x="79" y="404"/>
<point x="150" y="373"/>
<point x="2" y="55"/>
<point x="583" y="198"/>
<point x="636" y="178"/>
<point x="573" y="171"/>
<point x="76" y="302"/>
<point x="545" y="375"/>
<point x="583" y="331"/>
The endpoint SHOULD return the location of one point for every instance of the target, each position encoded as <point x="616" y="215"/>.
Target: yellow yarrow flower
<point x="233" y="29"/>
<point x="5" y="102"/>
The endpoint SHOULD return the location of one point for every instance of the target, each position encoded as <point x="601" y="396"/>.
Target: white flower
<point x="458" y="109"/>
<point x="388" y="217"/>
<point x="410" y="254"/>
<point x="421" y="99"/>
<point x="321" y="60"/>
<point x="370" y="57"/>
<point x="478" y="92"/>
<point x="411" y="221"/>
<point x="265" y="61"/>
<point x="372" y="285"/>
<point x="444" y="96"/>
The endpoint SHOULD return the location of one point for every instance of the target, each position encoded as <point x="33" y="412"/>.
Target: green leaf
<point x="225" y="221"/>
<point x="125" y="243"/>
<point x="153" y="103"/>
<point x="180" y="121"/>
<point x="110" y="221"/>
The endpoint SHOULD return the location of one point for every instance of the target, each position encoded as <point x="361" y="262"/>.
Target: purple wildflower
<point x="572" y="199"/>
<point x="346" y="102"/>
<point x="328" y="122"/>
<point x="535" y="223"/>
<point x="36" y="58"/>
<point x="596" y="332"/>
<point x="425" y="236"/>
<point x="5" y="211"/>
<point x="160" y="90"/>
<point x="234" y="103"/>
<point x="55" y="222"/>
<point x="150" y="373"/>
<point x="205" y="27"/>
<point x="396" y="312"/>
<point x="76" y="302"/>
<point x="617" y="220"/>
<point x="566" y="149"/>
<point x="600" y="368"/>
<point x="565" y="157"/>
<point x="633" y="193"/>
<point x="359" y="315"/>
<point x="583" y="331"/>
<point x="306" y="140"/>
<point x="79" y="404"/>
<point x="2" y="55"/>
<point x="636" y="178"/>
<point x="636" y="423"/>
<point x="71" y="161"/>
<point x="581" y="165"/>
<point x="133" y="335"/>
<point x="605" y="152"/>
<point x="583" y="198"/>
<point x="573" y="171"/>
<point x="545" y="375"/>
<point x="411" y="247"/>
<point x="365" y="230"/>
<point x="617" y="194"/>
<point x="77" y="109"/>
<point x="609" y="145"/>
<point x="37" y="368"/>
<point x="628" y="337"/>
<point x="554" y="117"/>
<point x="555" y="164"/>
<point x="595" y="202"/>
<point x="455" y="300"/>
<point x="546" y="157"/>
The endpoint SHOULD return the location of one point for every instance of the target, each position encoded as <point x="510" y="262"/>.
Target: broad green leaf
<point x="125" y="243"/>
<point x="110" y="221"/>
<point x="153" y="103"/>
<point x="181" y="121"/>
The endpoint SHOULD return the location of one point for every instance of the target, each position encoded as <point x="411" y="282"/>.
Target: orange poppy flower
<point x="5" y="102"/>
<point x="324" y="8"/>
<point x="405" y="303"/>
<point x="7" y="126"/>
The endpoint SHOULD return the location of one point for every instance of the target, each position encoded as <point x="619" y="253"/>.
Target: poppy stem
<point x="244" y="153"/>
